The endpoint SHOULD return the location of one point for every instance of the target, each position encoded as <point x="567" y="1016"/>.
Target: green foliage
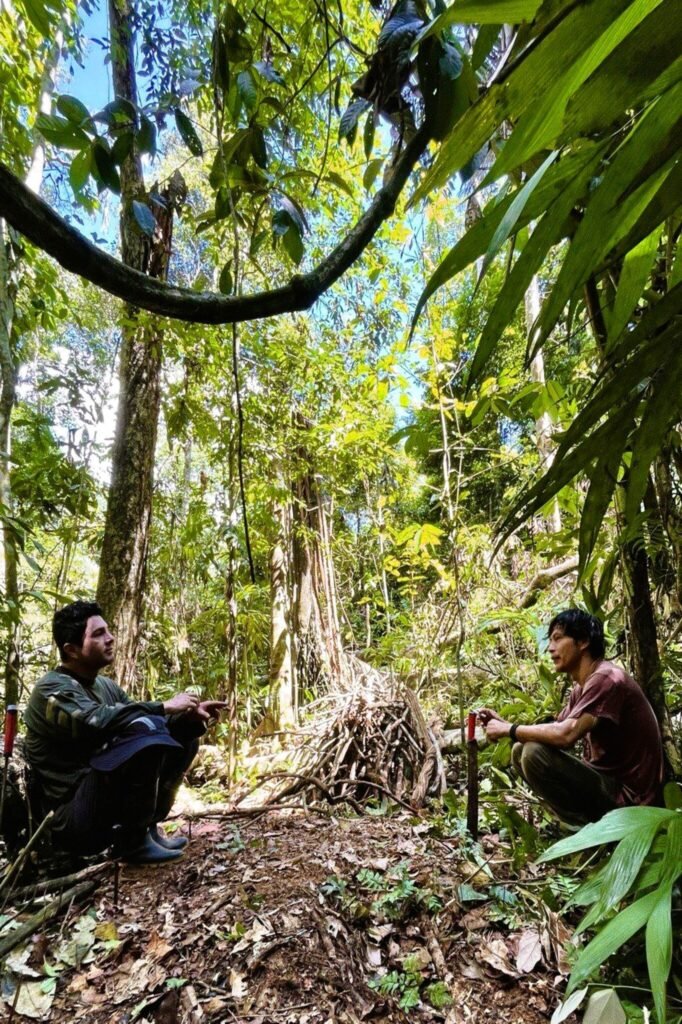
<point x="631" y="893"/>
<point x="620" y="164"/>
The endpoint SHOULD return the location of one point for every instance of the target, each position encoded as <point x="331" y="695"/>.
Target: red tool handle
<point x="471" y="726"/>
<point x="11" y="716"/>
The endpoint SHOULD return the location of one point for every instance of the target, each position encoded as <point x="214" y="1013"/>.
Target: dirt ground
<point x="296" y="918"/>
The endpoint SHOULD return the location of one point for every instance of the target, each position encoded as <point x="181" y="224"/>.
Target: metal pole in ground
<point x="472" y="776"/>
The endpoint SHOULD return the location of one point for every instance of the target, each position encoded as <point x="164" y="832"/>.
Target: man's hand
<point x="209" y="710"/>
<point x="496" y="728"/>
<point x="486" y="714"/>
<point x="179" y="703"/>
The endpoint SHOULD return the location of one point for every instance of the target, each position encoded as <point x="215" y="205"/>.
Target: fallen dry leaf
<point x="530" y="950"/>
<point x="495" y="954"/>
<point x="157" y="948"/>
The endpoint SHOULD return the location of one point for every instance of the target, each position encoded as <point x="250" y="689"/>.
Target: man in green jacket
<point x="109" y="767"/>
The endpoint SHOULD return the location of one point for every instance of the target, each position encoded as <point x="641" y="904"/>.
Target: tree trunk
<point x="8" y="372"/>
<point x="319" y="657"/>
<point x="123" y="560"/>
<point x="281" y="648"/>
<point x="644" y="653"/>
<point x="671" y="518"/>
<point x="231" y="626"/>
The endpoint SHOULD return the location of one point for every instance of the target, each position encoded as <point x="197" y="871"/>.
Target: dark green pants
<point x="568" y="786"/>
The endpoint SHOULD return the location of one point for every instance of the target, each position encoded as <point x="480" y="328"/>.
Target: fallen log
<point x="47" y="913"/>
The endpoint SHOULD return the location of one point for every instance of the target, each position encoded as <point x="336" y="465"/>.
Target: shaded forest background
<point x="261" y="506"/>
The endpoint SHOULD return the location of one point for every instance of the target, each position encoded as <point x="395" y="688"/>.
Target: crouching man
<point x="608" y="711"/>
<point x="108" y="766"/>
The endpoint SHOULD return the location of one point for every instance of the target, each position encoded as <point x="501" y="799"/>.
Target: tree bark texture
<point x="123" y="559"/>
<point x="282" y="676"/>
<point x="319" y="653"/>
<point x="8" y="373"/>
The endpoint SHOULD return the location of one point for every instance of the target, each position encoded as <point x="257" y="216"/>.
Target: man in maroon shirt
<point x="623" y="755"/>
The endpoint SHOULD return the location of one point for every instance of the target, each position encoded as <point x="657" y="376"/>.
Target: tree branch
<point x="36" y="220"/>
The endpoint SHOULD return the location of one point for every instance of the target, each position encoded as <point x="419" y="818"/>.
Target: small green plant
<point x="401" y="985"/>
<point x="630" y="892"/>
<point x="395" y="893"/>
<point x="438" y="995"/>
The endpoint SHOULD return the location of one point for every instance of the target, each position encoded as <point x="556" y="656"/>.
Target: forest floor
<point x="299" y="918"/>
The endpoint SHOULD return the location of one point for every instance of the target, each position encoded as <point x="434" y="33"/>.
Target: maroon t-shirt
<point x="626" y="741"/>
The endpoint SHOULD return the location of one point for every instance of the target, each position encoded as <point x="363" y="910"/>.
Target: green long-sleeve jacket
<point x="67" y="719"/>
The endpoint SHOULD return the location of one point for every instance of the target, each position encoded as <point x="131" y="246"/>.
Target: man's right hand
<point x="179" y="703"/>
<point x="487" y="714"/>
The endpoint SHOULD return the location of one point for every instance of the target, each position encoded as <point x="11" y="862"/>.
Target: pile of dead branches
<point x="365" y="746"/>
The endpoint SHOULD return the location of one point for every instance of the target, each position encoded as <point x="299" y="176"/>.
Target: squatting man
<point x="109" y="767"/>
<point x="608" y="711"/>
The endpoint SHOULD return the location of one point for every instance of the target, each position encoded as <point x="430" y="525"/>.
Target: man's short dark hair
<point x="68" y="624"/>
<point x="580" y="625"/>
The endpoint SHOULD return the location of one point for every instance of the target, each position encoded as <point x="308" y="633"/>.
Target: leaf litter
<point x="299" y="919"/>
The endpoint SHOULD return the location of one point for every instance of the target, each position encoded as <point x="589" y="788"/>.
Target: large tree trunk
<point x="8" y="372"/>
<point x="123" y="560"/>
<point x="319" y="656"/>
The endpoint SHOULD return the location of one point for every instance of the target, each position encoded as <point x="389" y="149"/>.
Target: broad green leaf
<point x="659" y="949"/>
<point x="472" y="245"/>
<point x="104" y="167"/>
<point x="258" y="147"/>
<point x="225" y="282"/>
<point x="612" y="827"/>
<point x="659" y="37"/>
<point x="541" y="126"/>
<point x="146" y="136"/>
<point x="609" y="215"/>
<point x="247" y="90"/>
<point x="79" y="170"/>
<point x="485" y="41"/>
<point x="73" y="110"/>
<point x="293" y="243"/>
<point x="43" y="16"/>
<point x="516" y="208"/>
<point x="368" y="135"/>
<point x="612" y="936"/>
<point x="529" y="80"/>
<point x="672" y="794"/>
<point x="61" y="132"/>
<point x="483" y="12"/>
<point x="603" y="479"/>
<point x="349" y="121"/>
<point x="633" y="277"/>
<point x="625" y="864"/>
<point x="188" y="133"/>
<point x="661" y="411"/>
<point x="553" y="226"/>
<point x="371" y="171"/>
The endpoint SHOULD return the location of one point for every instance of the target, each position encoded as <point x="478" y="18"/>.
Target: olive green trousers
<point x="573" y="790"/>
